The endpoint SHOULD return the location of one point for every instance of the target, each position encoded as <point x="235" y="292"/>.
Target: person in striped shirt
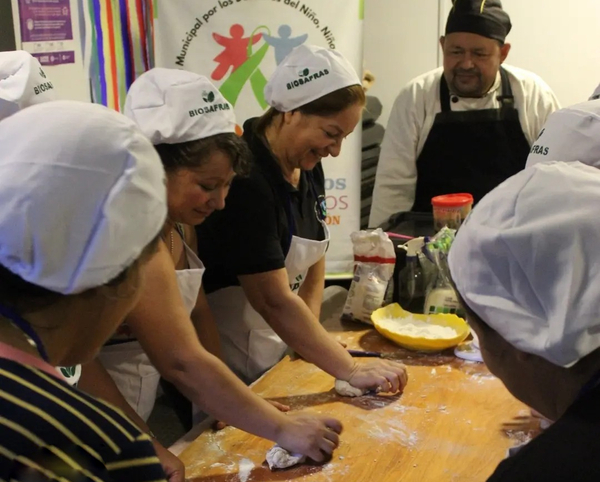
<point x="23" y="83"/>
<point x="82" y="201"/>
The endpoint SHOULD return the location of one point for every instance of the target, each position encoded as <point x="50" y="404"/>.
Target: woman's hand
<point x="380" y="375"/>
<point x="315" y="436"/>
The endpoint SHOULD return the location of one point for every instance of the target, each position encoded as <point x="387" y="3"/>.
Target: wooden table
<point x="454" y="422"/>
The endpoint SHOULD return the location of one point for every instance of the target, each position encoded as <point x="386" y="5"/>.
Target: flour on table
<point x="346" y="390"/>
<point x="279" y="458"/>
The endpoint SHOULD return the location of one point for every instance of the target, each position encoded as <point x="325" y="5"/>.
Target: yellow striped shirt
<point x="51" y="431"/>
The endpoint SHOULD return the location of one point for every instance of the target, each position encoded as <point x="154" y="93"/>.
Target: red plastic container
<point x="451" y="210"/>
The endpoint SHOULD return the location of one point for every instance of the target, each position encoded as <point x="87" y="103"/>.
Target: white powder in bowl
<point x="417" y="329"/>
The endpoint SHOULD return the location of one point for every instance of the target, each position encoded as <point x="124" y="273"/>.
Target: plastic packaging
<point x="411" y="279"/>
<point x="451" y="210"/>
<point x="374" y="260"/>
<point x="441" y="297"/>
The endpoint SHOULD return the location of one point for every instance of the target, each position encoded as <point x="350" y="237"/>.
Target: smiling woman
<point x="199" y="174"/>
<point x="171" y="332"/>
<point x="265" y="251"/>
<point x="313" y="131"/>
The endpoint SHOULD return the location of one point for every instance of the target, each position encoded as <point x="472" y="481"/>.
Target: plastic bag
<point x="374" y="261"/>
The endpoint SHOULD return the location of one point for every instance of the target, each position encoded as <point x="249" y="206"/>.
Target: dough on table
<point x="280" y="458"/>
<point x="346" y="390"/>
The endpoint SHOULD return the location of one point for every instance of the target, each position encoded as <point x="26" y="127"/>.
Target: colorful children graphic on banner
<point x="238" y="43"/>
<point x="284" y="44"/>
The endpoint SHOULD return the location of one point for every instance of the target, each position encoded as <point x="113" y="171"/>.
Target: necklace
<point x="171" y="238"/>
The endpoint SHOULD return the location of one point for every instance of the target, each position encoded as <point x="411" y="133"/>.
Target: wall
<point x="69" y="80"/>
<point x="7" y="31"/>
<point x="400" y="42"/>
<point x="560" y="41"/>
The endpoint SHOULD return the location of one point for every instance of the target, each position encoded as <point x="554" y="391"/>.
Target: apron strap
<point x="179" y="228"/>
<point x="321" y="209"/>
<point x="444" y="94"/>
<point x="506" y="97"/>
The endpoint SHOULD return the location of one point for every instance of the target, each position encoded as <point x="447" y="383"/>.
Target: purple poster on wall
<point x="47" y="23"/>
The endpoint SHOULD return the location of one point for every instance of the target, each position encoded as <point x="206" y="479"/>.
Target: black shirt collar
<point x="266" y="162"/>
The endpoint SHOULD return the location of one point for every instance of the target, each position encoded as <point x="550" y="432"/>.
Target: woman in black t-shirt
<point x="265" y="251"/>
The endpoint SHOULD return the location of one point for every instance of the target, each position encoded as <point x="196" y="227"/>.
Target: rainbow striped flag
<point x="119" y="46"/>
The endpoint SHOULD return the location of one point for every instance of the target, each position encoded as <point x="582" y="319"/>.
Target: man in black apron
<point x="467" y="120"/>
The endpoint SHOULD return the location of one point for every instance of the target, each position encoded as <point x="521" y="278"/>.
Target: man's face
<point x="471" y="62"/>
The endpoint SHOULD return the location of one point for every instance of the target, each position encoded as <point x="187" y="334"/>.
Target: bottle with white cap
<point x="441" y="297"/>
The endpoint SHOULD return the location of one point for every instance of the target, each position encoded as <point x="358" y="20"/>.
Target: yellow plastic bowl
<point x="415" y="343"/>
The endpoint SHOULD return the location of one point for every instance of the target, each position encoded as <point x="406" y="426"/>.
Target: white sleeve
<point x="396" y="178"/>
<point x="541" y="102"/>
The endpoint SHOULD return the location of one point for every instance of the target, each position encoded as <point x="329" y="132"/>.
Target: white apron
<point x="128" y="364"/>
<point x="249" y="344"/>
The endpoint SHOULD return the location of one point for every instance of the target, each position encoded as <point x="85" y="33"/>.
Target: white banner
<point x="238" y="43"/>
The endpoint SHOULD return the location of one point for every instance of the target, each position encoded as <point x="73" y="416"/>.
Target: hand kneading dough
<point x="279" y="458"/>
<point x="346" y="390"/>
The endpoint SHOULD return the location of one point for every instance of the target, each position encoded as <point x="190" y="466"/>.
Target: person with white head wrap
<point x="526" y="265"/>
<point x="265" y="252"/>
<point x="23" y="82"/>
<point x="570" y="134"/>
<point x="82" y="201"/>
<point x="193" y="129"/>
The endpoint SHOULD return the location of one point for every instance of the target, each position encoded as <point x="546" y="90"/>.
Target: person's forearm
<point x="207" y="382"/>
<point x="96" y="381"/>
<point x="296" y="325"/>
<point x="312" y="289"/>
<point x="205" y="325"/>
<point x="208" y="333"/>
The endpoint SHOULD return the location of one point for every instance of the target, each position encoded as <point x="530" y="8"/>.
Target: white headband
<point x="570" y="134"/>
<point x="527" y="261"/>
<point x="23" y="82"/>
<point x="307" y="74"/>
<point x="172" y="106"/>
<point x="82" y="193"/>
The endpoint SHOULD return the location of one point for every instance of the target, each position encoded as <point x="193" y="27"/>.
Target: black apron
<point x="470" y="151"/>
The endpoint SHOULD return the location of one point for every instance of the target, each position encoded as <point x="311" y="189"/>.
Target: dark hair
<point x="329" y="104"/>
<point x="193" y="154"/>
<point x="25" y="297"/>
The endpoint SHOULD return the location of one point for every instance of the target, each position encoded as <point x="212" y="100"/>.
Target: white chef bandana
<point x="527" y="261"/>
<point x="570" y="134"/>
<point x="23" y="82"/>
<point x="82" y="193"/>
<point x="173" y="106"/>
<point x="306" y="74"/>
